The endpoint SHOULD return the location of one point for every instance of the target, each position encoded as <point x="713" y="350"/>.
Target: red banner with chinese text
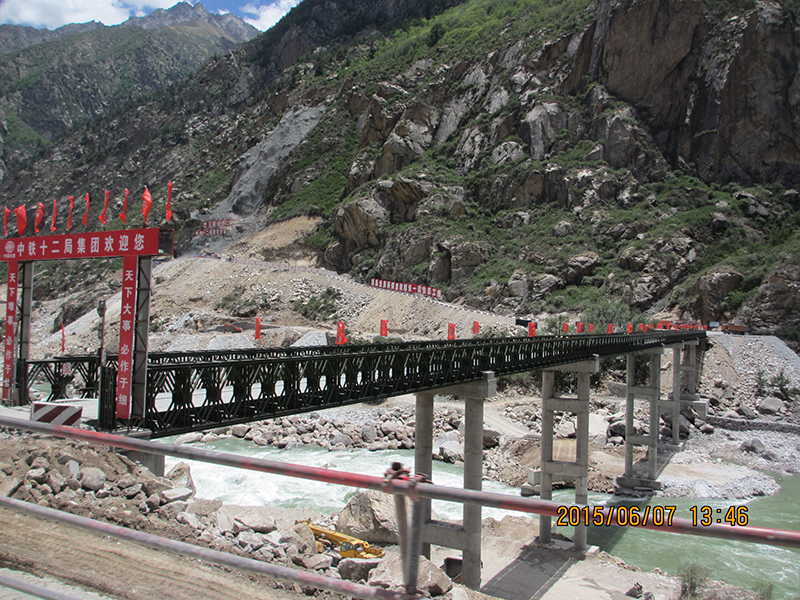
<point x="127" y="322"/>
<point x="11" y="319"/>
<point x="101" y="244"/>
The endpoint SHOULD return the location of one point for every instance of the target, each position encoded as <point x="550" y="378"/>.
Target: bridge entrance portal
<point x="136" y="247"/>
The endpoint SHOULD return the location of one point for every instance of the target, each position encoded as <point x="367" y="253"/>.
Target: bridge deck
<point x="201" y="390"/>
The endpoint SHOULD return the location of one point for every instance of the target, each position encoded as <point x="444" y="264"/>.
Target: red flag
<point x="69" y="218"/>
<point x="384" y="327"/>
<point x="579" y="327"/>
<point x="258" y="328"/>
<point x="5" y="220"/>
<point x="55" y="213"/>
<point x="102" y="216"/>
<point x="610" y="329"/>
<point x="341" y="338"/>
<point x="565" y="328"/>
<point x="630" y="327"/>
<point x="451" y="331"/>
<point x="123" y="215"/>
<point x="532" y="329"/>
<point x="169" y="201"/>
<point x="147" y="203"/>
<point x="476" y="327"/>
<point x="85" y="219"/>
<point x="22" y="219"/>
<point x="39" y="217"/>
<point x="63" y="340"/>
<point x="591" y="327"/>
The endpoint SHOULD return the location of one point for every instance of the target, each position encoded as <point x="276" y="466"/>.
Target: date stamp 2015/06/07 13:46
<point x="658" y="516"/>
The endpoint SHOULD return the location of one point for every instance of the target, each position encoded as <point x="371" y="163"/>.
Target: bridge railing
<point x="197" y="394"/>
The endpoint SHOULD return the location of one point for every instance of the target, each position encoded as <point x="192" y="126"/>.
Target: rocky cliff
<point x="628" y="159"/>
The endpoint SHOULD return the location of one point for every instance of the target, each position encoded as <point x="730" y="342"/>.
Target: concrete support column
<point x="582" y="456"/>
<point x="630" y="381"/>
<point x="423" y="451"/>
<point x="546" y="478"/>
<point x="676" y="394"/>
<point x="652" y="392"/>
<point x="577" y="469"/>
<point x="473" y="478"/>
<point x="655" y="386"/>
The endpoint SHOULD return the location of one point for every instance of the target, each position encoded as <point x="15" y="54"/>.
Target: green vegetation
<point x="320" y="307"/>
<point x="693" y="580"/>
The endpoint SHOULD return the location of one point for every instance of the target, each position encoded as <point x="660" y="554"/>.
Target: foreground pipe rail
<point x="760" y="535"/>
<point x="348" y="588"/>
<point x="32" y="590"/>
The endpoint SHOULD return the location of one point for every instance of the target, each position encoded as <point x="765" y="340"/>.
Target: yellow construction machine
<point x="348" y="546"/>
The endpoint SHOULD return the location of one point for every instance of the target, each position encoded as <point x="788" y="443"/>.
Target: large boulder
<point x="370" y="516"/>
<point x="431" y="580"/>
<point x="300" y="536"/>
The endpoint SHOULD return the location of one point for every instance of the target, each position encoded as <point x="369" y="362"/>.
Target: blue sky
<point x="51" y="14"/>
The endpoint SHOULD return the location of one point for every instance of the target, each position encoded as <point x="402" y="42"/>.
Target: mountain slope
<point x="48" y="87"/>
<point x="627" y="160"/>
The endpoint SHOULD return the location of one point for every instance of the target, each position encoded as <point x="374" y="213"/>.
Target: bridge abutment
<point x="466" y="538"/>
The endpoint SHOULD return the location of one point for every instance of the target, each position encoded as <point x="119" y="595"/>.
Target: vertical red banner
<point x="532" y="329"/>
<point x="476" y="327"/>
<point x="127" y="322"/>
<point x="451" y="331"/>
<point x="630" y="327"/>
<point x="579" y="327"/>
<point x="610" y="329"/>
<point x="565" y="328"/>
<point x="384" y="327"/>
<point x="11" y="320"/>
<point x="591" y="327"/>
<point x="258" y="328"/>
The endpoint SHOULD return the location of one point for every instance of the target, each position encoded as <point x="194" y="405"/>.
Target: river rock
<point x="770" y="406"/>
<point x="39" y="475"/>
<point x="452" y="452"/>
<point x="370" y="516"/>
<point x="181" y="476"/>
<point x="256" y="518"/>
<point x="92" y="479"/>
<point x="301" y="537"/>
<point x="755" y="446"/>
<point x="248" y="538"/>
<point x="368" y="434"/>
<point x="389" y="575"/>
<point x="491" y="438"/>
<point x="172" y="510"/>
<point x="9" y="486"/>
<point x="356" y="569"/>
<point x="240" y="430"/>
<point x="188" y="438"/>
<point x="176" y="494"/>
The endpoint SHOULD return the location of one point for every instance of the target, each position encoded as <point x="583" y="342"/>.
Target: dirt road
<point x="118" y="569"/>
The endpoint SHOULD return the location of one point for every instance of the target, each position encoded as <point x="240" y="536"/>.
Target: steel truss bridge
<point x="201" y="390"/>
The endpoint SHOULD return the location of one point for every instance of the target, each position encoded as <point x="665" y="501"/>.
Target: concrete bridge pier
<point x="652" y="392"/>
<point x="579" y="468"/>
<point x="466" y="538"/>
<point x="684" y="377"/>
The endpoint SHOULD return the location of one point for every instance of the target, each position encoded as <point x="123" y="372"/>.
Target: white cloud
<point x="55" y="13"/>
<point x="266" y="15"/>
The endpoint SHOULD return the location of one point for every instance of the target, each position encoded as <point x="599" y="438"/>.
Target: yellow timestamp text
<point x="635" y="516"/>
<point x="705" y="516"/>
